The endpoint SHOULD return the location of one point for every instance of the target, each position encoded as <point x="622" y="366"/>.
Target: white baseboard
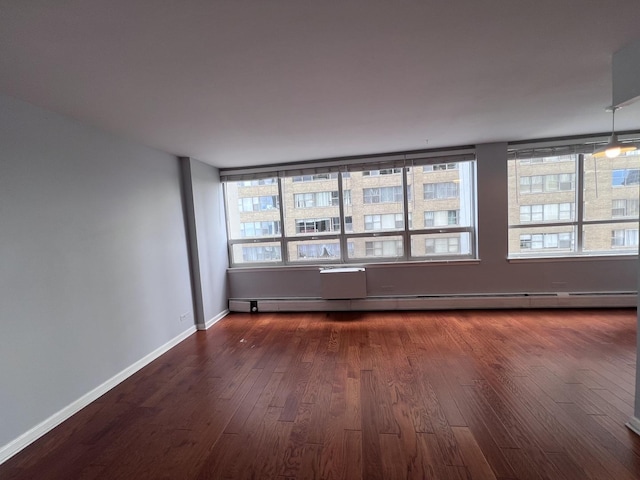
<point x="634" y="425"/>
<point x="13" y="447"/>
<point x="213" y="320"/>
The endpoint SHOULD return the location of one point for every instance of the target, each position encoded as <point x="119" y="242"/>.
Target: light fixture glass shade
<point x="613" y="148"/>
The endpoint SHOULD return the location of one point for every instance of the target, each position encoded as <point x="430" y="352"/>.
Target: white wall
<point x="93" y="260"/>
<point x="492" y="274"/>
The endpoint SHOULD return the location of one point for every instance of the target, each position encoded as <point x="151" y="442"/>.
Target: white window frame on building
<point x="434" y="246"/>
<point x="316" y="199"/>
<point x="624" y="237"/>
<point x="625" y="207"/>
<point x="441" y="218"/>
<point x="440" y="190"/>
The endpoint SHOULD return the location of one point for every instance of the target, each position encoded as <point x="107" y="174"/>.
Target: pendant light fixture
<point x="614" y="147"/>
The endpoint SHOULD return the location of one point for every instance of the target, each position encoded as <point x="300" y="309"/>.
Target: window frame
<point x="577" y="181"/>
<point x="346" y="236"/>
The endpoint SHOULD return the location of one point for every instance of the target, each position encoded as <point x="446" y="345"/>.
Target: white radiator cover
<point x="343" y="283"/>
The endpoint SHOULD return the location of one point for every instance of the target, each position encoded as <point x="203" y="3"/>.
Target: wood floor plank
<point x="364" y="395"/>
<point x="371" y="427"/>
<point x="474" y="458"/>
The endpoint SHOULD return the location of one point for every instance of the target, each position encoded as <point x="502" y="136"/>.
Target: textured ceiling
<point x="238" y="83"/>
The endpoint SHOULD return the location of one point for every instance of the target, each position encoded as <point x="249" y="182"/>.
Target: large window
<point x="572" y="204"/>
<point x="357" y="215"/>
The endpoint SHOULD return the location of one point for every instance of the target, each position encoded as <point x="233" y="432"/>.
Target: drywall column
<point x="492" y="206"/>
<point x="626" y="90"/>
<point x="207" y="240"/>
<point x="192" y="241"/>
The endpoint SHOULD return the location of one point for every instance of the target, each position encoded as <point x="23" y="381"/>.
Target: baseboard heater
<point x="443" y="302"/>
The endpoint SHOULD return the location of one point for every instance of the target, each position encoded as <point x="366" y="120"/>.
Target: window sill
<point x="318" y="266"/>
<point x="576" y="258"/>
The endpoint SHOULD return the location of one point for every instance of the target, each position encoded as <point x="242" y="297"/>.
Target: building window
<point x="254" y="204"/>
<point x="540" y="241"/>
<point x="348" y="224"/>
<point x="441" y="218"/>
<point x="318" y="225"/>
<point x="316" y="199"/>
<point x="259" y="229"/>
<point x="549" y="212"/>
<point x="624" y="238"/>
<point x="315" y="178"/>
<point x="385" y="171"/>
<point x="261" y="254"/>
<point x="440" y="190"/>
<point x="325" y="250"/>
<point x="442" y="246"/>
<point x="256" y="183"/>
<point x="624" y="207"/>
<point x="563" y="182"/>
<point x="382" y="195"/>
<point x="384" y="248"/>
<point x="439" y="167"/>
<point x="625" y="177"/>
<point x="550" y="159"/>
<point x="347" y="197"/>
<point x="387" y="221"/>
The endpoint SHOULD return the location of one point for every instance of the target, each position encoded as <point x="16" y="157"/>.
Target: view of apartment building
<point x="419" y="212"/>
<point x="570" y="204"/>
<point x="573" y="204"/>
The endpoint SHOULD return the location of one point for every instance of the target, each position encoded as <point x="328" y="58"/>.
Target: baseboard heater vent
<point x="440" y="302"/>
<point x="343" y="283"/>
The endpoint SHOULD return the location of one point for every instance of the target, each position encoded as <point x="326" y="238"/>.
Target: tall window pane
<point x="609" y="189"/>
<point x="252" y="208"/>
<point x="542" y="191"/>
<point x="376" y="201"/>
<point x="446" y="206"/>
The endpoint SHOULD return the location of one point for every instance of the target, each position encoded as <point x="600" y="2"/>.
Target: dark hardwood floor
<point x="443" y="395"/>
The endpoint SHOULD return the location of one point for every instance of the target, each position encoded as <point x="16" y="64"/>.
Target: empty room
<point x="335" y="240"/>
